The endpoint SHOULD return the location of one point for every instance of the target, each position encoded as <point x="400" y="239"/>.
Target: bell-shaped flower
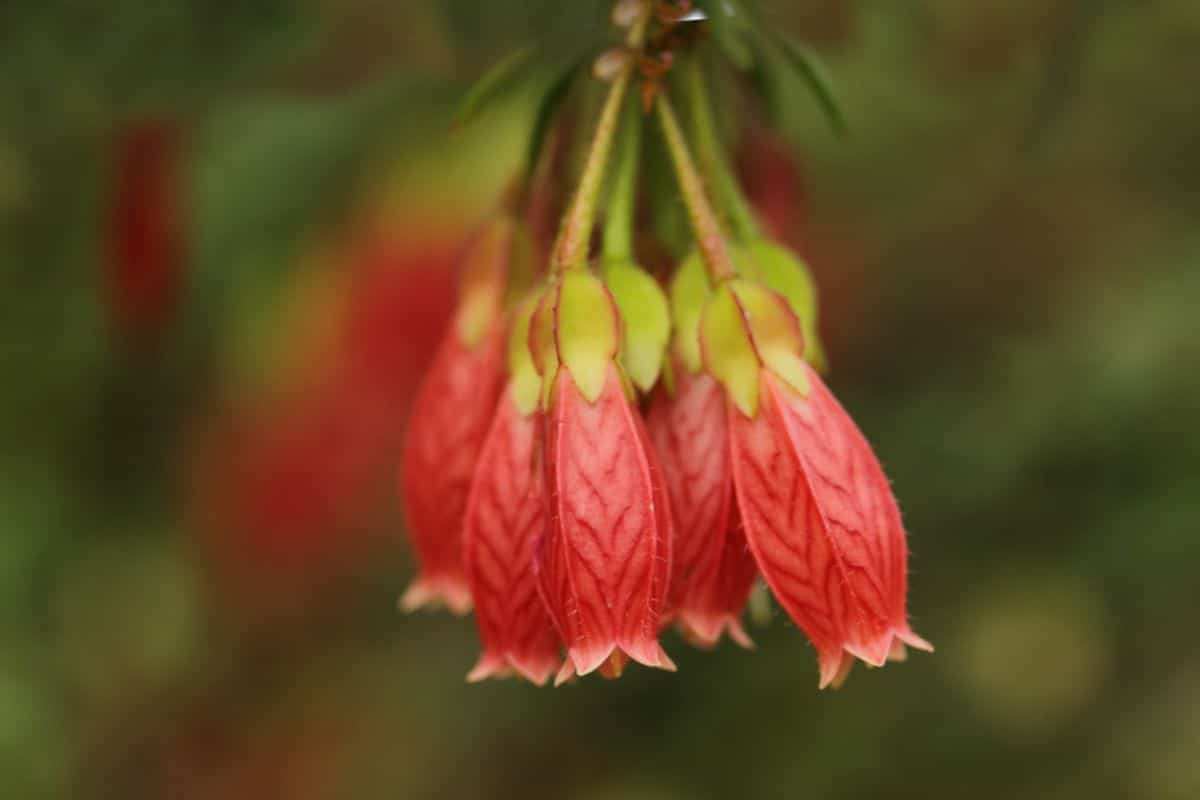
<point x="450" y="418"/>
<point x="713" y="569"/>
<point x="818" y="512"/>
<point x="605" y="562"/>
<point x="505" y="521"/>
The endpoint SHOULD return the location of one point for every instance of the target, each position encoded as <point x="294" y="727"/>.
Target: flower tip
<point x="488" y="667"/>
<point x="835" y="669"/>
<point x="739" y="636"/>
<point x="649" y="653"/>
<point x="704" y="632"/>
<point x="614" y="667"/>
<point x="536" y="673"/>
<point x="914" y="641"/>
<point x="432" y="594"/>
<point x="873" y="653"/>
<point x="566" y="673"/>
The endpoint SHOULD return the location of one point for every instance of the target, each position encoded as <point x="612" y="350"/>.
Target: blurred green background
<point x="201" y="540"/>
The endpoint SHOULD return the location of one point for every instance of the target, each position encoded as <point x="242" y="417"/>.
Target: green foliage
<point x="495" y="83"/>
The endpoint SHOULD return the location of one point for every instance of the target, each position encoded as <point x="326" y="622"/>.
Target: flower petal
<point x="505" y="518"/>
<point x="822" y="523"/>
<point x="604" y="567"/>
<point x="449" y="421"/>
<point x="857" y="500"/>
<point x="713" y="569"/>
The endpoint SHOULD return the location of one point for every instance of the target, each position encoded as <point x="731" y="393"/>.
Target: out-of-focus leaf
<point x="495" y="82"/>
<point x="728" y="22"/>
<point x="808" y="66"/>
<point x="548" y="107"/>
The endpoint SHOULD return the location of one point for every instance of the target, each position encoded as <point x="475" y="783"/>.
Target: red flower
<point x="505" y="519"/>
<point x="450" y="419"/>
<point x="145" y="247"/>
<point x="818" y="511"/>
<point x="714" y="570"/>
<point x="446" y="432"/>
<point x="605" y="563"/>
<point x="606" y="559"/>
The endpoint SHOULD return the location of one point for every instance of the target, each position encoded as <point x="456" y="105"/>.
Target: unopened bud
<point x="610" y="64"/>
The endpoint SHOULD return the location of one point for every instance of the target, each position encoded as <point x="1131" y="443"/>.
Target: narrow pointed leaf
<point x="494" y="83"/>
<point x="809" y="67"/>
<point x="548" y="107"/>
<point x="727" y="21"/>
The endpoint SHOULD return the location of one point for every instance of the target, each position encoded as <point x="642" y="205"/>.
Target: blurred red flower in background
<point x="144" y="229"/>
<point x="292" y="478"/>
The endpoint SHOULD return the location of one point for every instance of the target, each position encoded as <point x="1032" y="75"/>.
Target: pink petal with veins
<point x="450" y="418"/>
<point x="713" y="568"/>
<point x="823" y="525"/>
<point x="604" y="567"/>
<point x="505" y="519"/>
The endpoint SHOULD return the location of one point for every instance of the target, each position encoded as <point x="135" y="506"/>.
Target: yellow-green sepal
<point x="542" y="347"/>
<point x="647" y="321"/>
<point x="484" y="280"/>
<point x="586" y="331"/>
<point x="524" y="382"/>
<point x="784" y="272"/>
<point x="523" y="264"/>
<point x="745" y="327"/>
<point x="690" y="290"/>
<point x="774" y="330"/>
<point x="728" y="351"/>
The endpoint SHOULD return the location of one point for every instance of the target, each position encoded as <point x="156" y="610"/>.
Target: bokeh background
<point x="202" y="545"/>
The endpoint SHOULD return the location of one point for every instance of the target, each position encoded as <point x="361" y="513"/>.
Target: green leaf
<point x="727" y="21"/>
<point x="807" y="64"/>
<point x="494" y="83"/>
<point x="547" y="110"/>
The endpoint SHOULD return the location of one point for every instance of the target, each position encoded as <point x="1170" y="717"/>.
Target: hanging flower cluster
<point x="597" y="454"/>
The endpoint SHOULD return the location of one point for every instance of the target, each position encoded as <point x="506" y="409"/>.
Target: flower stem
<point x="621" y="214"/>
<point x="574" y="237"/>
<point x="712" y="155"/>
<point x="709" y="236"/>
